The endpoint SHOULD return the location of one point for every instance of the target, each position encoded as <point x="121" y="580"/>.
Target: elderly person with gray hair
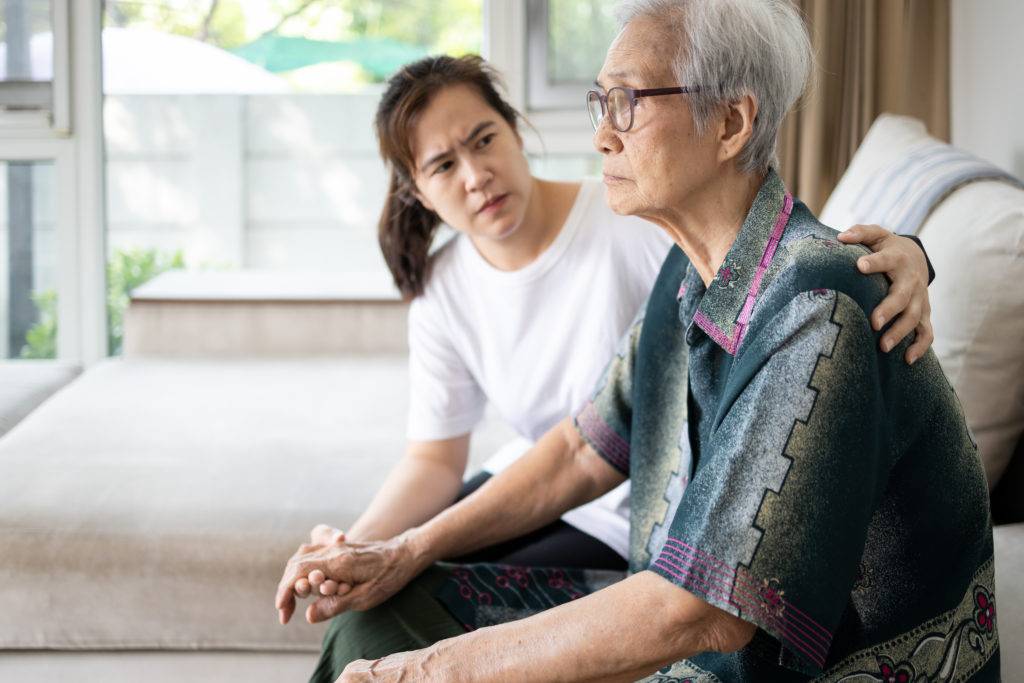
<point x="803" y="505"/>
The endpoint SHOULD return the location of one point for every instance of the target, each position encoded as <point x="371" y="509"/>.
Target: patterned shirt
<point x="786" y="471"/>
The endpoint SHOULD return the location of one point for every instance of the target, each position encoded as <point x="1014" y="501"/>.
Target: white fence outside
<point x="280" y="182"/>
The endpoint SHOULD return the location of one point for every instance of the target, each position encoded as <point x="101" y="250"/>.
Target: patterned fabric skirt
<point x="448" y="600"/>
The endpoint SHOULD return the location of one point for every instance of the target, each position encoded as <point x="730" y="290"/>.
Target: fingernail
<point x="913" y="359"/>
<point x="886" y="346"/>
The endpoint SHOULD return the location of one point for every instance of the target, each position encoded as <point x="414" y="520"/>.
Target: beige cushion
<point x="153" y="504"/>
<point x="1010" y="599"/>
<point x="25" y="384"/>
<point x="975" y="239"/>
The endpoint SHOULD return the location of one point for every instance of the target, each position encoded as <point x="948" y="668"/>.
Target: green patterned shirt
<point x="785" y="470"/>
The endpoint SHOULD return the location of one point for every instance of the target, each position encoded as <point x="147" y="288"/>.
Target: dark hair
<point x="406" y="227"/>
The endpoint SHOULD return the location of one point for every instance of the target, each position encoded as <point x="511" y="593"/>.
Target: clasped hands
<point x="343" y="575"/>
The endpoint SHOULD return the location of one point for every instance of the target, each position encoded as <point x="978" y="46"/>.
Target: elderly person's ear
<point x="737" y="126"/>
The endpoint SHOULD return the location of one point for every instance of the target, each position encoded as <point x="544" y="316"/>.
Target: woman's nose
<point x="477" y="175"/>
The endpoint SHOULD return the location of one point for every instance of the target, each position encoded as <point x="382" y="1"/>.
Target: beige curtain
<point x="873" y="56"/>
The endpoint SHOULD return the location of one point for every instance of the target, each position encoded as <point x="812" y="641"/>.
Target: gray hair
<point x="732" y="48"/>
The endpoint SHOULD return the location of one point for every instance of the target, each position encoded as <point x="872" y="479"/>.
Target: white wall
<point x="987" y="80"/>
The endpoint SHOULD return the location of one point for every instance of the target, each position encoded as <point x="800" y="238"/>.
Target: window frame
<point x="77" y="154"/>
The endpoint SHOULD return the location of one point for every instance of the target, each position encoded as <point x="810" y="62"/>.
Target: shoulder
<point x="811" y="259"/>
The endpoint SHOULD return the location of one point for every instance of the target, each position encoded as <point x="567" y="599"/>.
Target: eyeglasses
<point x="619" y="102"/>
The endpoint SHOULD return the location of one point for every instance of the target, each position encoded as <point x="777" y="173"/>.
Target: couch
<point x="146" y="508"/>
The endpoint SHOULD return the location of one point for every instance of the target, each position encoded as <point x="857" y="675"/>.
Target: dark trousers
<point x="414" y="619"/>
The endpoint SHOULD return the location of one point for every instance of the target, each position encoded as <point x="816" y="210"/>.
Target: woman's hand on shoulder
<point x="907" y="305"/>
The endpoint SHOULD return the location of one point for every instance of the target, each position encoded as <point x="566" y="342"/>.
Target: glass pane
<point x="579" y="33"/>
<point x="28" y="260"/>
<point x="26" y="40"/>
<point x="239" y="133"/>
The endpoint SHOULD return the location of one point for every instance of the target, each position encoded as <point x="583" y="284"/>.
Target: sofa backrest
<point x="975" y="239"/>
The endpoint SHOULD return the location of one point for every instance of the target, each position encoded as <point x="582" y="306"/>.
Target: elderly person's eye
<point x="485" y="140"/>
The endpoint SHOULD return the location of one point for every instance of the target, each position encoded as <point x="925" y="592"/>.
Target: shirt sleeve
<point x="773" y="523"/>
<point x="445" y="399"/>
<point x="604" y="420"/>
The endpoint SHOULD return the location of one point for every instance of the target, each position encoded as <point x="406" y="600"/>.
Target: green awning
<point x="381" y="57"/>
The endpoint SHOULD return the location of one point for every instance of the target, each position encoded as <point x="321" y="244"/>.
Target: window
<point x="239" y="133"/>
<point x="28" y="260"/>
<point x="34" y="64"/>
<point x="567" y="41"/>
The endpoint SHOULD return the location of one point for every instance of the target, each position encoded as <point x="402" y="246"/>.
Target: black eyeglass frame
<point x="632" y="94"/>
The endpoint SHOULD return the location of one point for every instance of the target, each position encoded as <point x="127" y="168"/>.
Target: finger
<point x="330" y="606"/>
<point x="328" y="587"/>
<point x="323" y="534"/>
<point x="316" y="577"/>
<point x="339" y="537"/>
<point x="285" y="614"/>
<point x="901" y="327"/>
<point x="863" y="234"/>
<point x="302" y="588"/>
<point x="286" y="588"/>
<point x="881" y="262"/>
<point x="921" y="344"/>
<point x="892" y="305"/>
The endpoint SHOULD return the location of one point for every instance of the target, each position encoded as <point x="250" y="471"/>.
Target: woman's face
<point x="661" y="161"/>
<point x="469" y="165"/>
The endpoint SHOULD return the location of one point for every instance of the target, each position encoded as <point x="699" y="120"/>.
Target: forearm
<point x="558" y="474"/>
<point x="419" y="487"/>
<point x="621" y="633"/>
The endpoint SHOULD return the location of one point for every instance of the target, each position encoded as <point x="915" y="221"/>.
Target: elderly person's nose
<point x="476" y="174"/>
<point x="606" y="138"/>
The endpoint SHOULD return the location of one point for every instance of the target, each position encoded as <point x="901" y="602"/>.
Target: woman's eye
<point x="486" y="140"/>
<point x="441" y="168"/>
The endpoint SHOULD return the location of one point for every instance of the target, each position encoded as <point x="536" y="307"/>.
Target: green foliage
<point x="41" y="338"/>
<point x="454" y="26"/>
<point x="579" y="33"/>
<point x="126" y="270"/>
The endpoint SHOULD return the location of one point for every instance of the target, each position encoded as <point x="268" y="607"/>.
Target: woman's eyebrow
<point x="479" y="128"/>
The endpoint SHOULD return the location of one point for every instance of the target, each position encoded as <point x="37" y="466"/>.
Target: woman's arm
<point x="621" y="633"/>
<point x="425" y="481"/>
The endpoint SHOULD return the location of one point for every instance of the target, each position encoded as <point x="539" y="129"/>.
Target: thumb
<point x="325" y="608"/>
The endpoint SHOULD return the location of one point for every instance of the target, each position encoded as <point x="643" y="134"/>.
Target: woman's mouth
<point x="494" y="204"/>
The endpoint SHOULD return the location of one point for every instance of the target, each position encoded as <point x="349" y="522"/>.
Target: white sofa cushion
<point x="25" y="384"/>
<point x="975" y="239"/>
<point x="153" y="503"/>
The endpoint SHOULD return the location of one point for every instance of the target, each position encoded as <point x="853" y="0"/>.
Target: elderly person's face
<point x="661" y="160"/>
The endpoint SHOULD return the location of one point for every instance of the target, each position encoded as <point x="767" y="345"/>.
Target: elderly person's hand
<point x="348" y="576"/>
<point x="407" y="667"/>
<point x="322" y="535"/>
<point x="907" y="304"/>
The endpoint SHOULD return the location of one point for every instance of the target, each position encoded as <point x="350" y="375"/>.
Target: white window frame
<point x="564" y="128"/>
<point x="71" y="137"/>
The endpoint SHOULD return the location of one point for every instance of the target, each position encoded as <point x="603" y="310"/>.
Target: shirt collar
<point x="725" y="309"/>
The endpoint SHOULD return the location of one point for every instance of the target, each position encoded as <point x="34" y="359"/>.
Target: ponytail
<point x="405" y="232"/>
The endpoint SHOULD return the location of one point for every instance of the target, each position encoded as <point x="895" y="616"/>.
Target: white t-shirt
<point x="533" y="341"/>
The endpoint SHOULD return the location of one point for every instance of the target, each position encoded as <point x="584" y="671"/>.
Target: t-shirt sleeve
<point x="445" y="399"/>
<point x="604" y="420"/>
<point x="773" y="523"/>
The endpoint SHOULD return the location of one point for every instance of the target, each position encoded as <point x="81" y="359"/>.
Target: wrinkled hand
<point x="903" y="262"/>
<point x="348" y="576"/>
<point x="322" y="535"/>
<point x="406" y="667"/>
